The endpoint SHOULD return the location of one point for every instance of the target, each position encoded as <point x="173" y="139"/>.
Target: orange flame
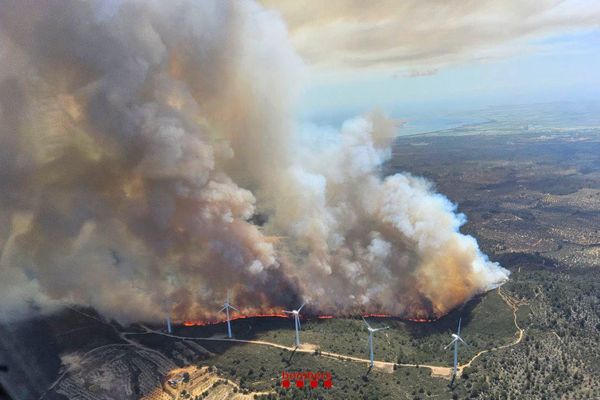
<point x="415" y="319"/>
<point x="377" y="316"/>
<point x="214" y="322"/>
<point x="422" y="320"/>
<point x="282" y="315"/>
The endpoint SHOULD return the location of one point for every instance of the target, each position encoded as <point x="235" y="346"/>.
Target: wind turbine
<point x="296" y="314"/>
<point x="172" y="282"/>
<point x="168" y="307"/>
<point x="455" y="339"/>
<point x="371" y="331"/>
<point x="226" y="307"/>
<point x="169" y="331"/>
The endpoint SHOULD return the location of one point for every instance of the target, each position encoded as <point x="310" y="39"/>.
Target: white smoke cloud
<point x="140" y="142"/>
<point x="391" y="245"/>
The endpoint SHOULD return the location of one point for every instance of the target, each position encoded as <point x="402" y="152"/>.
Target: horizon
<point x="466" y="57"/>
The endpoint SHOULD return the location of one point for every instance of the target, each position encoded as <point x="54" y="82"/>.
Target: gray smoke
<point x="139" y="142"/>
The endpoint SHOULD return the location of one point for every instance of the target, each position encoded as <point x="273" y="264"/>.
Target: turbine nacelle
<point x="226" y="307"/>
<point x="295" y="312"/>
<point x="377" y="329"/>
<point x="371" y="330"/>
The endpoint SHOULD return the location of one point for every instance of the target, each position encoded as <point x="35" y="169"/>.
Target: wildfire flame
<point x="190" y="323"/>
<point x="215" y="322"/>
<point x="377" y="316"/>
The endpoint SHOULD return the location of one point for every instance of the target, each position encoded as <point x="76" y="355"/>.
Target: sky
<point x="408" y="57"/>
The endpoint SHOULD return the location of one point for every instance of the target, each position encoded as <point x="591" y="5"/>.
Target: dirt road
<point x="381" y="365"/>
<point x="514" y="306"/>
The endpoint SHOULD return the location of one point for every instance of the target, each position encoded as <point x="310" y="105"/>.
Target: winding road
<point x="514" y="306"/>
<point x="385" y="365"/>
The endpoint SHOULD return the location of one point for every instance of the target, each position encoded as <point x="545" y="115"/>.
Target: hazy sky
<point x="411" y="55"/>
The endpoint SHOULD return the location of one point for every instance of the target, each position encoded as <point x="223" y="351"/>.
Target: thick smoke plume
<point x="142" y="143"/>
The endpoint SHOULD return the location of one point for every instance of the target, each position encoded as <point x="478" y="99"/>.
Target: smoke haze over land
<point x="140" y="143"/>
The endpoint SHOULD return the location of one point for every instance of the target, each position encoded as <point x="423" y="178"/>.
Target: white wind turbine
<point x="371" y="331"/>
<point x="226" y="307"/>
<point x="455" y="339"/>
<point x="172" y="282"/>
<point x="168" y="310"/>
<point x="296" y="314"/>
<point x="169" y="331"/>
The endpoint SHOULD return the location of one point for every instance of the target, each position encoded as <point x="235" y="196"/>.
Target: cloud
<point x="416" y="73"/>
<point x="387" y="34"/>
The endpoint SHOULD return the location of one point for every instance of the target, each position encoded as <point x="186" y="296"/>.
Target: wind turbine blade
<point x="465" y="343"/>
<point x="288" y="312"/>
<point x="366" y="323"/>
<point x="459" y="320"/>
<point x="381" y="329"/>
<point x="230" y="306"/>
<point x="303" y="304"/>
<point x="222" y="309"/>
<point x="450" y="344"/>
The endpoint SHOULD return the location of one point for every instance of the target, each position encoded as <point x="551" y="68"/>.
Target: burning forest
<point x="140" y="143"/>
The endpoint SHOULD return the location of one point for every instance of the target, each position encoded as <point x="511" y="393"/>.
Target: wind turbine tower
<point x="168" y="307"/>
<point x="226" y="307"/>
<point x="371" y="331"/>
<point x="297" y="325"/>
<point x="455" y="341"/>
